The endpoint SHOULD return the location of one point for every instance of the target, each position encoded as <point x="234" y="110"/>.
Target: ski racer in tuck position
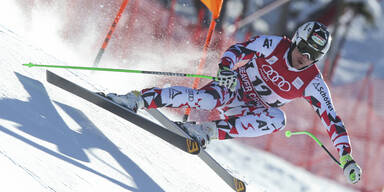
<point x="248" y="98"/>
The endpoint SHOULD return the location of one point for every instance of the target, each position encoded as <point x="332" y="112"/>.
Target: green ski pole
<point x="288" y="134"/>
<point x="122" y="70"/>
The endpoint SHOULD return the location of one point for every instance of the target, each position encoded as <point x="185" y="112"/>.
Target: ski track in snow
<point x="27" y="171"/>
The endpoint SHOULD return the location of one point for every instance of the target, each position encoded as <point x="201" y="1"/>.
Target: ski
<point x="233" y="182"/>
<point x="186" y="144"/>
<point x="172" y="134"/>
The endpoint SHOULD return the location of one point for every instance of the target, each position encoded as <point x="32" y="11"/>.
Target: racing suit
<point x="265" y="83"/>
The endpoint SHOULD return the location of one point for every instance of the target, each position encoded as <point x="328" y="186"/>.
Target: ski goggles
<point x="304" y="49"/>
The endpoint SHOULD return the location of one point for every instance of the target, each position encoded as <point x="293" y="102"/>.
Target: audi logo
<point x="276" y="79"/>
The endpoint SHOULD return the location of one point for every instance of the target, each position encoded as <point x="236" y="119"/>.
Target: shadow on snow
<point x="39" y="118"/>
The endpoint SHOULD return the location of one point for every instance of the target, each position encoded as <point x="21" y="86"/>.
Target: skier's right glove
<point x="227" y="78"/>
<point x="352" y="170"/>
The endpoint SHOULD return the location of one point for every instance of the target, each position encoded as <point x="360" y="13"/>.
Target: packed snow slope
<point x="51" y="140"/>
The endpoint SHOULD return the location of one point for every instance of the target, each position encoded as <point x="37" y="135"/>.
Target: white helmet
<point x="312" y="38"/>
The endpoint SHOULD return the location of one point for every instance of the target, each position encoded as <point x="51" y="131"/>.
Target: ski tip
<point x="239" y="185"/>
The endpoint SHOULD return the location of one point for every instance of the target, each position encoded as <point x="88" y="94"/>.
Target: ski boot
<point x="202" y="133"/>
<point x="131" y="100"/>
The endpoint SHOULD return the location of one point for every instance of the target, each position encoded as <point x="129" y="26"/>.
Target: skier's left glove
<point x="352" y="170"/>
<point x="227" y="78"/>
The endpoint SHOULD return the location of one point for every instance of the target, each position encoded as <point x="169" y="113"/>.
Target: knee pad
<point x="278" y="118"/>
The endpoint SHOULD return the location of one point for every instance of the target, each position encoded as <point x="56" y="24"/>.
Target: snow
<point x="51" y="140"/>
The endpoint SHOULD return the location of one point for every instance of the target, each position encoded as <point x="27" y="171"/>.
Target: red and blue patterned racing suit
<point x="265" y="83"/>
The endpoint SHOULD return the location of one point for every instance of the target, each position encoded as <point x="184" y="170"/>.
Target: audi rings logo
<point x="275" y="78"/>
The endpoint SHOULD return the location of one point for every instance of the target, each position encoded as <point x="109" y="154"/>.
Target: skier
<point x="248" y="98"/>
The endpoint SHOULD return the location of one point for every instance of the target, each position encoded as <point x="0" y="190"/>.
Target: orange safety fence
<point x="215" y="7"/>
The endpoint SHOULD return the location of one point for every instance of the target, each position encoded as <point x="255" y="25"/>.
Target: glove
<point x="227" y="78"/>
<point x="352" y="171"/>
